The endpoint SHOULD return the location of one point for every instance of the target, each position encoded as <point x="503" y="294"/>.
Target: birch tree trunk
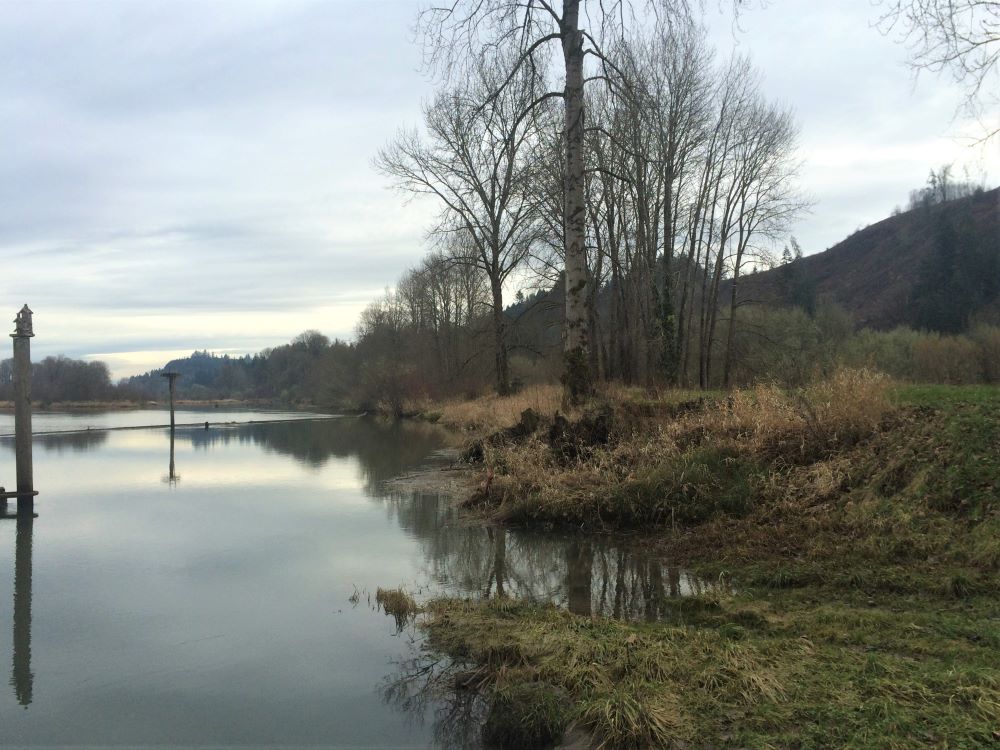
<point x="576" y="366"/>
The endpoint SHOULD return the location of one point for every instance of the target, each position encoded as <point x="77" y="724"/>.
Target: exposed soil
<point x="447" y="475"/>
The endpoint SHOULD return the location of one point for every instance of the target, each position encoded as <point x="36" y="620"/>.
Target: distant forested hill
<point x="202" y="375"/>
<point x="935" y="267"/>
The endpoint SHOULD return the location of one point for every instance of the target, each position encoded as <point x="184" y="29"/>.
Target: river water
<point x="219" y="591"/>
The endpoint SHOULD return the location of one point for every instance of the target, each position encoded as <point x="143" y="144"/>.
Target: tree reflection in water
<point x="76" y="442"/>
<point x="384" y="449"/>
<point x="423" y="687"/>
<point x="589" y="575"/>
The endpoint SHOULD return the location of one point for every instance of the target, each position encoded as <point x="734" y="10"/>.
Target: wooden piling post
<point x="23" y="333"/>
<point x="171" y="378"/>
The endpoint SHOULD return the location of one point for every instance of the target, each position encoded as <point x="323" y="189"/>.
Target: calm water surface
<point x="210" y="604"/>
<point x="63" y="421"/>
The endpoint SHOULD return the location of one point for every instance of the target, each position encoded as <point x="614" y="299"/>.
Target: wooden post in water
<point x="22" y="336"/>
<point x="171" y="377"/>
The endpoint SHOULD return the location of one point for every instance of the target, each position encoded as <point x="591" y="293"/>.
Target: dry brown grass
<point x="773" y="422"/>
<point x="719" y="456"/>
<point x="398" y="604"/>
<point x="491" y="413"/>
<point x="619" y="392"/>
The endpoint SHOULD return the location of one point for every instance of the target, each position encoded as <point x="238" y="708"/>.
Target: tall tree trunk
<point x="500" y="337"/>
<point x="597" y="366"/>
<point x="668" y="319"/>
<point x="731" y="334"/>
<point x="576" y="366"/>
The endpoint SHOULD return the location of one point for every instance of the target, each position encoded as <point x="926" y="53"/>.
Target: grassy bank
<point x="858" y="521"/>
<point x="809" y="668"/>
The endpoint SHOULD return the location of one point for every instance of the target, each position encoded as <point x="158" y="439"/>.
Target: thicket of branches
<point x="688" y="180"/>
<point x="959" y="38"/>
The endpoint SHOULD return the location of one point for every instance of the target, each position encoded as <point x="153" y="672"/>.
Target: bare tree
<point x="960" y="37"/>
<point x="476" y="161"/>
<point x="461" y="30"/>
<point x="683" y="93"/>
<point x="768" y="201"/>
<point x="641" y="148"/>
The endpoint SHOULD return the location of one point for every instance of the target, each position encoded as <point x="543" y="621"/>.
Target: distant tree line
<point x="62" y="379"/>
<point x="785" y="345"/>
<point x="942" y="186"/>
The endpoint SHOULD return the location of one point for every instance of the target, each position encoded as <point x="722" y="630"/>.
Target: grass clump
<point x="488" y="414"/>
<point x="398" y="604"/>
<point x="691" y="488"/>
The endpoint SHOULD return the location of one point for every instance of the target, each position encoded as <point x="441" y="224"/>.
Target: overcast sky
<point x="197" y="175"/>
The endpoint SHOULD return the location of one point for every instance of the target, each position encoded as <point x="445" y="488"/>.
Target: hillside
<point x="203" y="375"/>
<point x="935" y="267"/>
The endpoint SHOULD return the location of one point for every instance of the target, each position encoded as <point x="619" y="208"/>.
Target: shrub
<point x="953" y="360"/>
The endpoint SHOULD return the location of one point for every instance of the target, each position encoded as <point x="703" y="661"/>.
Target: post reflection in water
<point x="22" y="678"/>
<point x="171" y="477"/>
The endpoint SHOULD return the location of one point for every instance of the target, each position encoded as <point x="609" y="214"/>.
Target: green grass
<point x="867" y="612"/>
<point x="755" y="670"/>
<point x="949" y="396"/>
<point x="963" y="447"/>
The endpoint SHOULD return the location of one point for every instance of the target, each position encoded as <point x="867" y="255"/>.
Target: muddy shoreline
<point x="445" y="474"/>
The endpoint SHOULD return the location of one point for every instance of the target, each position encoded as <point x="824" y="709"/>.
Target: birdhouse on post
<point x="22" y="324"/>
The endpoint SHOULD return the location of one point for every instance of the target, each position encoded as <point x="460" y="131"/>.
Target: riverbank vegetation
<point x="856" y="521"/>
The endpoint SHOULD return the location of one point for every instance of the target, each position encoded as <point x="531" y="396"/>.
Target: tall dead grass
<point x="492" y="413"/>
<point x="716" y="457"/>
<point x="770" y="421"/>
